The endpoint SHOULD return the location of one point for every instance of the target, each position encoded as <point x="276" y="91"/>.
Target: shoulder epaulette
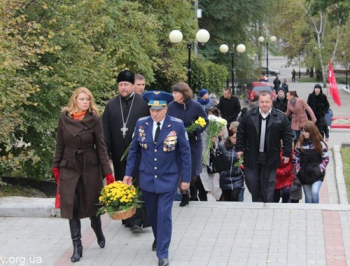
<point x="175" y="119"/>
<point x="143" y="118"/>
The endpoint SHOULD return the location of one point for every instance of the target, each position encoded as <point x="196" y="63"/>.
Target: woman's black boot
<point x="75" y="226"/>
<point x="184" y="200"/>
<point x="96" y="225"/>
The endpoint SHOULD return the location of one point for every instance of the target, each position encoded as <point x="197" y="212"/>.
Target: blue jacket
<point x="189" y="112"/>
<point x="163" y="163"/>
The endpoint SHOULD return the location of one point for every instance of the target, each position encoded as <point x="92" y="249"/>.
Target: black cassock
<point x="112" y="120"/>
<point x="133" y="108"/>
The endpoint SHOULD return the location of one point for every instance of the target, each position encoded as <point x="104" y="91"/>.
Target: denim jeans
<point x="312" y="192"/>
<point x="296" y="134"/>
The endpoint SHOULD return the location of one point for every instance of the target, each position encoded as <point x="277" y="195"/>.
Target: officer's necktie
<point x="157" y="132"/>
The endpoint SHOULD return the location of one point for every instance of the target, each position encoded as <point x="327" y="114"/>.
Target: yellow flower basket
<point x="119" y="200"/>
<point x="122" y="215"/>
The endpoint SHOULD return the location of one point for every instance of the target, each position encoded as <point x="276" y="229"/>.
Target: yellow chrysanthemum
<point x="118" y="196"/>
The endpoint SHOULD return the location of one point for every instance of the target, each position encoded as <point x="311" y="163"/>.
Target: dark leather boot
<point x="96" y="225"/>
<point x="184" y="200"/>
<point x="75" y="232"/>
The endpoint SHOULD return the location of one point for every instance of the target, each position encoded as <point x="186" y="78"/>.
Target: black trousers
<point x="140" y="218"/>
<point x="231" y="195"/>
<point x="202" y="194"/>
<point x="261" y="182"/>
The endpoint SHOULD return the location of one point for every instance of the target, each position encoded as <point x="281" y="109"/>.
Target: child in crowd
<point x="231" y="179"/>
<point x="284" y="180"/>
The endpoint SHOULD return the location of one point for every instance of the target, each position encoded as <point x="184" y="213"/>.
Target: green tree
<point x="70" y="44"/>
<point x="313" y="37"/>
<point x="17" y="45"/>
<point x="337" y="10"/>
<point x="49" y="48"/>
<point x="234" y="22"/>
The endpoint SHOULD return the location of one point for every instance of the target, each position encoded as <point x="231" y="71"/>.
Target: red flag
<point x="333" y="85"/>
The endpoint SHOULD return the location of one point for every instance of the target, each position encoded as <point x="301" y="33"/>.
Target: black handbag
<point x="218" y="161"/>
<point x="211" y="169"/>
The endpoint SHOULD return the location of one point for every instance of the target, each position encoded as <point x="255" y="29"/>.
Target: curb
<point x="339" y="175"/>
<point x="346" y="89"/>
<point x="28" y="207"/>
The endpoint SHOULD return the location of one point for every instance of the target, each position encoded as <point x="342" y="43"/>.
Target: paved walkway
<point x="205" y="233"/>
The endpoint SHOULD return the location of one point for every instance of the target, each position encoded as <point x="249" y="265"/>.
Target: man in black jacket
<point x="276" y="84"/>
<point x="281" y="101"/>
<point x="229" y="106"/>
<point x="319" y="105"/>
<point x="259" y="138"/>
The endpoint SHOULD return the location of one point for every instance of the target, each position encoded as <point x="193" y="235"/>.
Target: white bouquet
<point x="215" y="126"/>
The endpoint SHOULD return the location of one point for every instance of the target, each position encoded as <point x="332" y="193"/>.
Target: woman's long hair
<point x="72" y="106"/>
<point x="228" y="142"/>
<point x="315" y="137"/>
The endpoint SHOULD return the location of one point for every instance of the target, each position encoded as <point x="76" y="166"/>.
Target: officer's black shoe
<point x="163" y="262"/>
<point x="154" y="246"/>
<point x="136" y="229"/>
<point x="184" y="200"/>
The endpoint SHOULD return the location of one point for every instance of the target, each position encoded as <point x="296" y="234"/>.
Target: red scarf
<point x="80" y="116"/>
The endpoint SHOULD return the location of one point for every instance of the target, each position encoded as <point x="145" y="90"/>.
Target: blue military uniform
<point x="161" y="165"/>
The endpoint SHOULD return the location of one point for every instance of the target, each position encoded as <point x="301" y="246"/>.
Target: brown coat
<point x="299" y="116"/>
<point x="80" y="155"/>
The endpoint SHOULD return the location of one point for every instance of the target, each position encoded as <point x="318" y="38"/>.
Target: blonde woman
<point x="80" y="157"/>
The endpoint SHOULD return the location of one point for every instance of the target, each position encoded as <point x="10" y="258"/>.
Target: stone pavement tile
<point x="345" y="224"/>
<point x="203" y="234"/>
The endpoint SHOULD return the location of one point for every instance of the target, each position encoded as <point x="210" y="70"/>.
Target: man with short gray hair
<point x="259" y="136"/>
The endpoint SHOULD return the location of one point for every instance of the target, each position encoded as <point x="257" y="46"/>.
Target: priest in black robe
<point x="119" y="120"/>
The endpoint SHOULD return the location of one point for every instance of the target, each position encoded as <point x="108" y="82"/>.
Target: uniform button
<point x="155" y="159"/>
<point x="155" y="168"/>
<point x="155" y="176"/>
<point x="155" y="150"/>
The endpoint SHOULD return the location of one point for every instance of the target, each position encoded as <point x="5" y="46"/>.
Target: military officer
<point x="162" y="142"/>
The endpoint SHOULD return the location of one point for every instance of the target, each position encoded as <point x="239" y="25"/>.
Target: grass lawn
<point x="345" y="155"/>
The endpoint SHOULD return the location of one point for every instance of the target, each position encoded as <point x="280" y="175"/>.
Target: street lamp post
<point x="299" y="64"/>
<point x="224" y="49"/>
<point x="261" y="39"/>
<point x="202" y="37"/>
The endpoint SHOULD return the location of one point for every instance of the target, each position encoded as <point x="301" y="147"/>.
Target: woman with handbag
<point x="208" y="180"/>
<point x="231" y="178"/>
<point x="80" y="157"/>
<point x="310" y="161"/>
